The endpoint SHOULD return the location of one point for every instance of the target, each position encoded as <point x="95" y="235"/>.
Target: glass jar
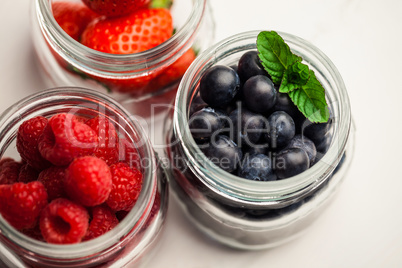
<point x="131" y="241"/>
<point x="135" y="80"/>
<point x="250" y="214"/>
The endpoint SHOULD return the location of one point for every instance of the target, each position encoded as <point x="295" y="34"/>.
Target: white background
<point x="363" y="227"/>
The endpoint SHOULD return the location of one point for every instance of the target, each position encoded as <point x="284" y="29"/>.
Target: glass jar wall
<point x="250" y="214"/>
<point x="133" y="239"/>
<point x="136" y="80"/>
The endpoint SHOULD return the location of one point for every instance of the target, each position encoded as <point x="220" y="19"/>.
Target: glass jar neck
<point x="115" y="65"/>
<point x="50" y="102"/>
<point x="247" y="191"/>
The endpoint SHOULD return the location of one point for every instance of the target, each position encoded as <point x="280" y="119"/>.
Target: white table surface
<point x="363" y="227"/>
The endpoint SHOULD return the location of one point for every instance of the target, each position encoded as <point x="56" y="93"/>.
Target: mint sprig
<point x="310" y="99"/>
<point x="275" y="54"/>
<point x="294" y="77"/>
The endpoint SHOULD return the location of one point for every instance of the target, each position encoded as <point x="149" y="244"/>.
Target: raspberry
<point x="34" y="233"/>
<point x="53" y="180"/>
<point x="107" y="139"/>
<point x="127" y="183"/>
<point x="21" y="204"/>
<point x="129" y="154"/>
<point x="63" y="222"/>
<point x="9" y="171"/>
<point x="27" y="173"/>
<point x="103" y="220"/>
<point x="28" y="135"/>
<point x="5" y="160"/>
<point x="66" y="138"/>
<point x="88" y="180"/>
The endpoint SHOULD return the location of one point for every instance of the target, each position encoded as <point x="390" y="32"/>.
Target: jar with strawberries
<point x="136" y="51"/>
<point x="80" y="184"/>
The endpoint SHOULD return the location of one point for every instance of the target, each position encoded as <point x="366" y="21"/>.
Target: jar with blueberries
<point x="271" y="188"/>
<point x="111" y="228"/>
<point x="136" y="79"/>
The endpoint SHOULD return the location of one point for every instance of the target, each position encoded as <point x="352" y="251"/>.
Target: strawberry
<point x="137" y="86"/>
<point x="115" y="8"/>
<point x="139" y="31"/>
<point x="156" y="81"/>
<point x="174" y="72"/>
<point x="73" y="17"/>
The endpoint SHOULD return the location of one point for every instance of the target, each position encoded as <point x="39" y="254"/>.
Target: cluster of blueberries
<point x="244" y="125"/>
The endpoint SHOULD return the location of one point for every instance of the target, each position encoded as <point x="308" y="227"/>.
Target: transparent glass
<point x="131" y="241"/>
<point x="132" y="79"/>
<point x="253" y="214"/>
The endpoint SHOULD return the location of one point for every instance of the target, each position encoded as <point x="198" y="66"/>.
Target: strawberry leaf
<point x="310" y="99"/>
<point x="161" y="4"/>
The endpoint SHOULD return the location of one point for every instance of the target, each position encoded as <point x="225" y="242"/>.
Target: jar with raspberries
<point x="80" y="184"/>
<point x="135" y="50"/>
<point x="260" y="139"/>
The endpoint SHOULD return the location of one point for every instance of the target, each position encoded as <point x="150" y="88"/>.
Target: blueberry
<point x="197" y="104"/>
<point x="315" y="131"/>
<point x="285" y="104"/>
<point x="290" y="162"/>
<point x="229" y="108"/>
<point x="234" y="67"/>
<point x="249" y="65"/>
<point x="204" y="123"/>
<point x="219" y="85"/>
<point x="257" y="149"/>
<point x="323" y="144"/>
<point x="304" y="143"/>
<point x="280" y="129"/>
<point x="247" y="127"/>
<point x="224" y="153"/>
<point x="259" y="94"/>
<point x="257" y="168"/>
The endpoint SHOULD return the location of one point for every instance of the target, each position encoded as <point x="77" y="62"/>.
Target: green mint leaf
<point x="161" y="4"/>
<point x="275" y="54"/>
<point x="287" y="87"/>
<point x="294" y="77"/>
<point x="310" y="99"/>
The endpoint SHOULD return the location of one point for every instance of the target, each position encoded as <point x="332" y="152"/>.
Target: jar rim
<point x="119" y="65"/>
<point x="232" y="186"/>
<point x="133" y="221"/>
